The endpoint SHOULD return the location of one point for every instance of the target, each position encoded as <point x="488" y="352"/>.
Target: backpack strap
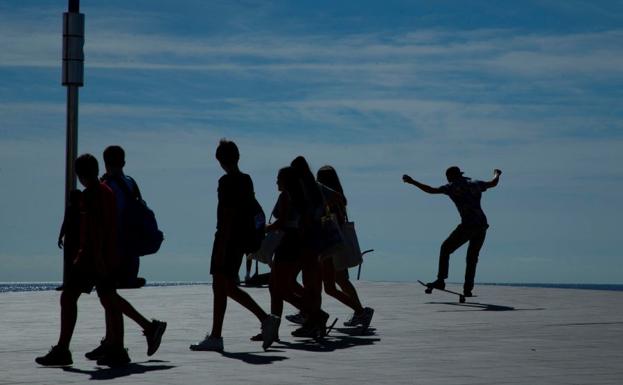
<point x="136" y="189"/>
<point x="125" y="188"/>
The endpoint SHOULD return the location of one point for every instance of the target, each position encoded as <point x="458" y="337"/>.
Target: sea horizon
<point x="26" y="286"/>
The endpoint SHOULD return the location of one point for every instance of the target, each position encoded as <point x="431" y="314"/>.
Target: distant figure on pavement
<point x="466" y="194"/>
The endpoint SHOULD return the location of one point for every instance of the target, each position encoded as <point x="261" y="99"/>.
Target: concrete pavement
<point x="506" y="335"/>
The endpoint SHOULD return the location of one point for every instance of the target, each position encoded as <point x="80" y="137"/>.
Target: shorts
<point x="83" y="278"/>
<point x="232" y="261"/>
<point x="289" y="250"/>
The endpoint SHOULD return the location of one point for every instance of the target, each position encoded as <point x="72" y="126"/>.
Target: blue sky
<point x="376" y="89"/>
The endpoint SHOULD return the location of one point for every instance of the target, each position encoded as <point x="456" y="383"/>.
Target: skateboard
<point x="430" y="290"/>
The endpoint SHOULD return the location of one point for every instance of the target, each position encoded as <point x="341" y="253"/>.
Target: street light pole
<point x="72" y="78"/>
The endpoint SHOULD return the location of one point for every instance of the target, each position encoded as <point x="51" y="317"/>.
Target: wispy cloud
<point x="115" y="45"/>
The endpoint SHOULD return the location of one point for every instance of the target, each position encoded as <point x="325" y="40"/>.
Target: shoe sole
<point x="197" y="349"/>
<point x="55" y="365"/>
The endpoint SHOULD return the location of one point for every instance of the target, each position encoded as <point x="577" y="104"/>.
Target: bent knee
<point x="330" y="290"/>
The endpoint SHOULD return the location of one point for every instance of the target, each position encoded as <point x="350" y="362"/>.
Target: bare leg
<point x="282" y="286"/>
<point x="244" y="299"/>
<point x="128" y="310"/>
<point x="69" y="316"/>
<point x="276" y="297"/>
<point x="341" y="278"/>
<point x="219" y="291"/>
<point x="114" y="318"/>
<point x="328" y="278"/>
<point x="312" y="283"/>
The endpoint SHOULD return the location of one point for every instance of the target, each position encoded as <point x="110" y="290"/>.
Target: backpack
<point x="254" y="227"/>
<point x="142" y="235"/>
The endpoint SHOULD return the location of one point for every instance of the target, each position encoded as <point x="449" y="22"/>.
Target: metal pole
<point x="72" y="141"/>
<point x="73" y="78"/>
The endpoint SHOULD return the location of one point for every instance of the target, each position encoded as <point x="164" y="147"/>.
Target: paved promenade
<point x="504" y="336"/>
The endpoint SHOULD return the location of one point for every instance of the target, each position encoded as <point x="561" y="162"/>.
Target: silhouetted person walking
<point x="125" y="189"/>
<point x="235" y="194"/>
<point x="348" y="295"/>
<point x="287" y="260"/>
<point x="94" y="264"/>
<point x="466" y="194"/>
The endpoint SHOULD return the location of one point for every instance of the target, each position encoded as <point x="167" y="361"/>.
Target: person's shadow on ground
<point x="332" y="343"/>
<point x="476" y="306"/>
<point x="105" y="373"/>
<point x="253" y="359"/>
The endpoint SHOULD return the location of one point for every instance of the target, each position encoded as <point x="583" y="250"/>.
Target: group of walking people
<point x="95" y="242"/>
<point x="95" y="238"/>
<point x="303" y="200"/>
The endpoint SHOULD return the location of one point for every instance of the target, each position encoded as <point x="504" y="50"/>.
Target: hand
<point x="407" y="179"/>
<point x="497" y="172"/>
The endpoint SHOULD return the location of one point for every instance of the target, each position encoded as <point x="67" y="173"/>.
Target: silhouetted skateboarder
<point x="466" y="194"/>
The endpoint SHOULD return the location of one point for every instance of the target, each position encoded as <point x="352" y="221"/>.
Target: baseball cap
<point x="453" y="172"/>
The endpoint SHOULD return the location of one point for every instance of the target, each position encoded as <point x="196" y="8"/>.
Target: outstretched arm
<point x="421" y="186"/>
<point x="496" y="178"/>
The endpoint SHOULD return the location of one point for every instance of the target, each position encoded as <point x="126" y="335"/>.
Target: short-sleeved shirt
<point x="466" y="194"/>
<point x="98" y="233"/>
<point x="291" y="221"/>
<point x="235" y="191"/>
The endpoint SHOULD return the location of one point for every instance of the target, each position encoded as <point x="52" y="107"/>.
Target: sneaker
<point x="352" y="321"/>
<point x="357" y="318"/>
<point x="270" y="330"/>
<point x="298" y="318"/>
<point x="114" y="357"/>
<point x="313" y="328"/>
<point x="57" y="356"/>
<point x="437" y="284"/>
<point x="321" y="323"/>
<point x="98" y="352"/>
<point x="306" y="331"/>
<point x="209" y="344"/>
<point x="154" y="336"/>
<point x="467" y="293"/>
<point x="366" y="317"/>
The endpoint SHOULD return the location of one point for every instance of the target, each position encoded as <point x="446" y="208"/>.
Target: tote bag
<point x="350" y="254"/>
<point x="269" y="244"/>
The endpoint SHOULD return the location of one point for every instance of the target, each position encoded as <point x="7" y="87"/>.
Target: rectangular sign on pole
<point x="73" y="49"/>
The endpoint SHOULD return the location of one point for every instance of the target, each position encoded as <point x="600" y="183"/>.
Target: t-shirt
<point x="98" y="235"/>
<point x="235" y="192"/>
<point x="466" y="195"/>
<point x="292" y="217"/>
